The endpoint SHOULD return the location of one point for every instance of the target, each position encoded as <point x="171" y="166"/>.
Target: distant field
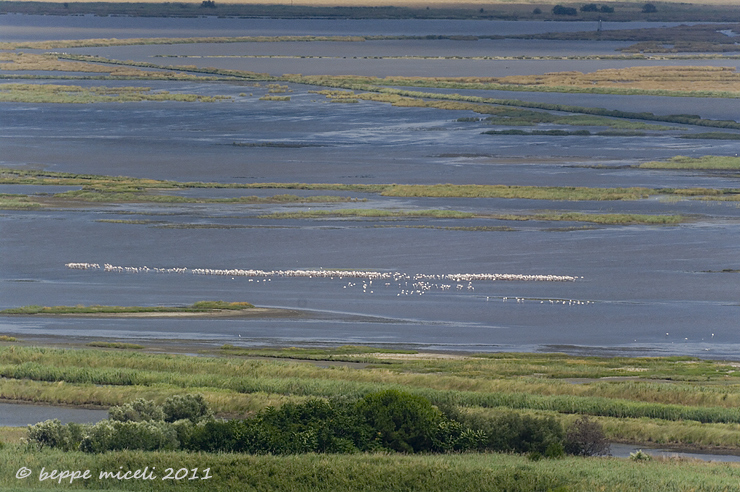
<point x="671" y="10"/>
<point x="468" y="4"/>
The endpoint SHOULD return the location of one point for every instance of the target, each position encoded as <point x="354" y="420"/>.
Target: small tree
<point x="139" y="410"/>
<point x="607" y="9"/>
<point x="537" y="11"/>
<point x="560" y="10"/>
<point x="53" y="434"/>
<point x="404" y="422"/>
<point x="585" y="437"/>
<point x="590" y="7"/>
<point x="649" y="8"/>
<point x="191" y="407"/>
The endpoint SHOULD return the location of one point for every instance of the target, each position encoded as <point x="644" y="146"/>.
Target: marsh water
<point x="639" y="290"/>
<point x="21" y="414"/>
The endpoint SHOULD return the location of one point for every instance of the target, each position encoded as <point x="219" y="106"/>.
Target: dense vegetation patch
<point x="124" y="189"/>
<point x="53" y="93"/>
<point x="198" y="307"/>
<point x="388" y="420"/>
<point x="705" y="162"/>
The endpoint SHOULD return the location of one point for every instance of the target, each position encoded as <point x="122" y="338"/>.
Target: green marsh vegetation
<point x="683" y="81"/>
<point x="500" y="115"/>
<point x="370" y="213"/>
<point x="274" y="98"/>
<point x="50" y="62"/>
<point x="198" y="307"/>
<point x="97" y="188"/>
<point x="706" y="162"/>
<point x="605" y="219"/>
<point x="504" y="107"/>
<point x="490" y="105"/>
<point x="476" y="472"/>
<point x="53" y="93"/>
<point x="677" y="400"/>
<point x="116" y="345"/>
<point x="109" y="196"/>
<point x="712" y="136"/>
<point x="565" y="133"/>
<point x="18" y="202"/>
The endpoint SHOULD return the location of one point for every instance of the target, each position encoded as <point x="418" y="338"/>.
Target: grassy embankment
<point x="116" y="345"/>
<point x="707" y="162"/>
<point x="677" y="81"/>
<point x="102" y="189"/>
<point x="662" y="81"/>
<point x="699" y="407"/>
<point x="107" y="189"/>
<point x="605" y="219"/>
<point x="198" y="307"/>
<point x="53" y="93"/>
<point x="690" y="81"/>
<point x="499" y="114"/>
<point x="118" y="189"/>
<point x="50" y="62"/>
<point x="100" y="184"/>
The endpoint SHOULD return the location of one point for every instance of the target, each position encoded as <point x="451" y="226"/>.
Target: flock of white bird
<point x="421" y="279"/>
<point x="407" y="284"/>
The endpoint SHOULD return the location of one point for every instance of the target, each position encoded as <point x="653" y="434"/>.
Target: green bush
<point x="560" y="10"/>
<point x="136" y="411"/>
<point x="649" y="8"/>
<point x="454" y="436"/>
<point x="316" y="426"/>
<point x="191" y="407"/>
<point x="54" y="434"/>
<point x="404" y="422"/>
<point x="111" y="435"/>
<point x="514" y="433"/>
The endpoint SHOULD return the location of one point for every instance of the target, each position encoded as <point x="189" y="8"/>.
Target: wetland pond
<point x="637" y="289"/>
<point x="22" y="414"/>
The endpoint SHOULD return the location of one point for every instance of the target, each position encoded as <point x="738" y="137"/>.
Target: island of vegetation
<point x="198" y="309"/>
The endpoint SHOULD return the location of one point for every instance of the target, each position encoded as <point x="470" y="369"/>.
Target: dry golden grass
<point x="678" y="78"/>
<point x="49" y="62"/>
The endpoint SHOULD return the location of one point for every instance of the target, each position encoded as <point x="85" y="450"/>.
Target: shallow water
<point x="641" y="290"/>
<point x="624" y="450"/>
<point x="21" y="415"/>
<point x="366" y="58"/>
<point x="16" y="27"/>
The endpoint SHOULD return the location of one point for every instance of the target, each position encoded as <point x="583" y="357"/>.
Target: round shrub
<point x="136" y="411"/>
<point x="54" y="434"/>
<point x="111" y="435"/>
<point x="191" y="407"/>
<point x="403" y="422"/>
